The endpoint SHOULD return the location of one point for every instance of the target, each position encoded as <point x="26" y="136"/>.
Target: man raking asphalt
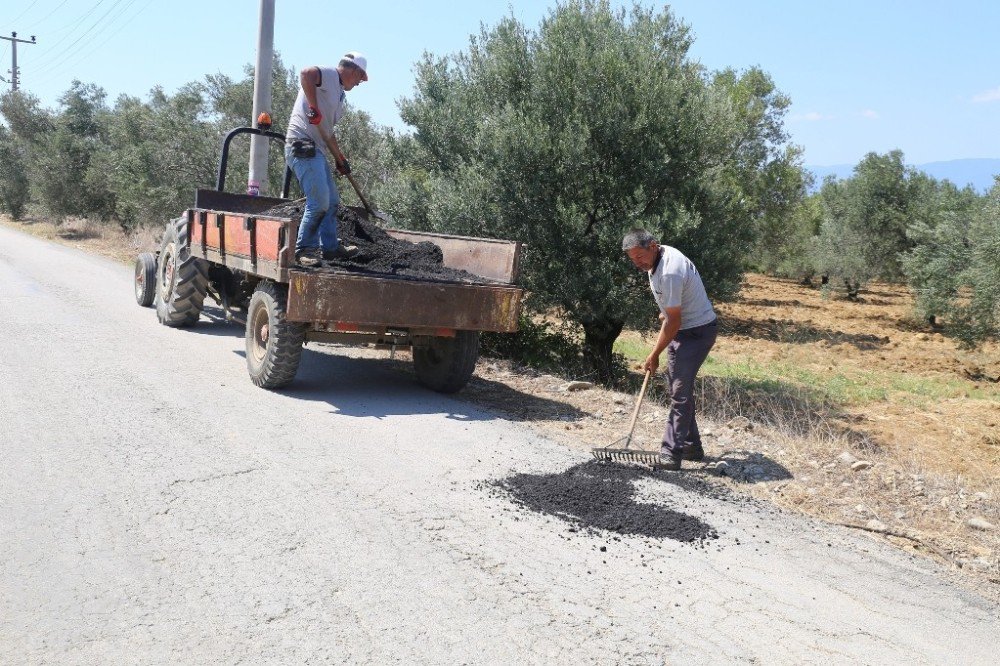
<point x="687" y="332"/>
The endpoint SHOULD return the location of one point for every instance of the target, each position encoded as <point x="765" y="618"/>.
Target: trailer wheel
<point x="273" y="344"/>
<point x="446" y="364"/>
<point x="145" y="279"/>
<point x="181" y="280"/>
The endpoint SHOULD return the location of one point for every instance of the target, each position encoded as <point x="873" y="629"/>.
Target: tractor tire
<point x="181" y="280"/>
<point x="145" y="279"/>
<point x="273" y="344"/>
<point x="446" y="364"/>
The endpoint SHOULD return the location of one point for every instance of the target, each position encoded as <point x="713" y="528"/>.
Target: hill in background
<point x="978" y="173"/>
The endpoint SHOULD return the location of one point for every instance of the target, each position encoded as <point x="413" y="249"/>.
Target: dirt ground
<point x="954" y="432"/>
<point x="854" y="413"/>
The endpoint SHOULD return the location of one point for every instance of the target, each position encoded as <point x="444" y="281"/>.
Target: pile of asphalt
<point x="598" y="497"/>
<point x="379" y="253"/>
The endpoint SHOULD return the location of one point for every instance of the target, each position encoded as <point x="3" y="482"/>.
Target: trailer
<point x="229" y="248"/>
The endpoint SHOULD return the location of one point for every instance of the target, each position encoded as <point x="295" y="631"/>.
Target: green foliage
<point x="953" y="267"/>
<point x="160" y="152"/>
<point x="786" y="245"/>
<point x="541" y="345"/>
<point x="65" y="175"/>
<point x="941" y="251"/>
<point x="568" y="136"/>
<point x="864" y="229"/>
<point x="14" y="189"/>
<point x="140" y="162"/>
<point x="27" y="124"/>
<point x="536" y="344"/>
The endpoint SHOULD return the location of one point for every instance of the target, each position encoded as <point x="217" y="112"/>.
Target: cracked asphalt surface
<point x="157" y="508"/>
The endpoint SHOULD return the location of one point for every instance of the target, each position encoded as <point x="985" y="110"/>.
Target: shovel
<point x="616" y="451"/>
<point x="328" y="140"/>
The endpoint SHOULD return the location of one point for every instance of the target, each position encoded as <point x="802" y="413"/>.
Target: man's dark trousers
<point x="685" y="353"/>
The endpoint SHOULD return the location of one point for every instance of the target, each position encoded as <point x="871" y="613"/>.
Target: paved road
<point x="157" y="508"/>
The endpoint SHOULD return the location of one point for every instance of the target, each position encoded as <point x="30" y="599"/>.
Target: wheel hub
<point x="167" y="274"/>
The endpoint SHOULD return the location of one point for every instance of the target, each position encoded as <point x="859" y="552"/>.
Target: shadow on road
<point x="379" y="387"/>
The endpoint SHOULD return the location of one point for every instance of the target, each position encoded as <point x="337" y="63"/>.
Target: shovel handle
<point x="638" y="404"/>
<point x="361" y="196"/>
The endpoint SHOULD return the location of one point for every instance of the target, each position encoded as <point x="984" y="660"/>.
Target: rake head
<point x="651" y="458"/>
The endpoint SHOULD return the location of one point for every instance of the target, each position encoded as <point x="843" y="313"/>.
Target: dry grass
<point x="107" y="240"/>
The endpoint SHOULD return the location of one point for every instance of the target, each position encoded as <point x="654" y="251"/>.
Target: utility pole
<point x="257" y="181"/>
<point x="14" y="41"/>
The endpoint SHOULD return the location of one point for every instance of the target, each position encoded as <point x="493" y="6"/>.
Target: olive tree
<point x="160" y="151"/>
<point x="953" y="267"/>
<point x="25" y="124"/>
<point x="567" y="136"/>
<point x="63" y="167"/>
<point x="14" y="187"/>
<point x="866" y="217"/>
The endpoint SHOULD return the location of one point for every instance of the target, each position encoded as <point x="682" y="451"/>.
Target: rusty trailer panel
<point x="486" y="257"/>
<point x="367" y="300"/>
<point x="258" y="245"/>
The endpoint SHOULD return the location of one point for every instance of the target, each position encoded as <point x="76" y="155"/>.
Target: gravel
<point x="597" y="496"/>
<point x="380" y="253"/>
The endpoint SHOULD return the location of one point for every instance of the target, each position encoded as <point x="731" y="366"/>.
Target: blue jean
<point x="686" y="352"/>
<point x="318" y="227"/>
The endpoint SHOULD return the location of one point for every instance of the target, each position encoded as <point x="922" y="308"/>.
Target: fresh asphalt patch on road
<point x="600" y="499"/>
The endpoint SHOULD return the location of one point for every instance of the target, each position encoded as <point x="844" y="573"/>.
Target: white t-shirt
<point x="330" y="98"/>
<point x="675" y="282"/>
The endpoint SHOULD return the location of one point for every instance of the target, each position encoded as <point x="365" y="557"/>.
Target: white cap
<point x="359" y="60"/>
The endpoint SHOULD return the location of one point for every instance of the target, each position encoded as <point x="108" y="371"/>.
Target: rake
<point x="615" y="452"/>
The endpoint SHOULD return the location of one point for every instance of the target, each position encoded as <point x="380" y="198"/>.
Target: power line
<point x="81" y="53"/>
<point x="68" y="49"/>
<point x="75" y="25"/>
<point x="44" y="18"/>
<point x="28" y="9"/>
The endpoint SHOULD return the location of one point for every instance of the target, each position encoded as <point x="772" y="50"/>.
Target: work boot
<point x="342" y="252"/>
<point x="670" y="460"/>
<point x="308" y="257"/>
<point x="693" y="452"/>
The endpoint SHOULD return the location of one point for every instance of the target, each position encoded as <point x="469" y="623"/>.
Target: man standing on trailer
<point x="687" y="332"/>
<point x="320" y="103"/>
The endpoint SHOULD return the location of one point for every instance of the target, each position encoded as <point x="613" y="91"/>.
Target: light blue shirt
<point x="675" y="282"/>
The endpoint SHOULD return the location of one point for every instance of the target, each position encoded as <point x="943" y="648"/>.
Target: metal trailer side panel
<point x="373" y="301"/>
<point x="486" y="257"/>
<point x="261" y="246"/>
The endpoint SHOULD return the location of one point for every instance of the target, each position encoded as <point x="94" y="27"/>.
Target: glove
<point x="344" y="168"/>
<point x="314" y="116"/>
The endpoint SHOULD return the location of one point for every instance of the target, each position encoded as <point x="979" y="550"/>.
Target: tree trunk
<point x="598" y="342"/>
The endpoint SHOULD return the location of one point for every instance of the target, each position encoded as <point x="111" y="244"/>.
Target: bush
<point x="542" y="346"/>
<point x="14" y="186"/>
<point x="536" y="344"/>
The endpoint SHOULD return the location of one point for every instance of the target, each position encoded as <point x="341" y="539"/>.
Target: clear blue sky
<point x="863" y="76"/>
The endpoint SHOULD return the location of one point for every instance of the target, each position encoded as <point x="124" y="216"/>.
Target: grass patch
<point x="632" y="347"/>
<point x="856" y="388"/>
<point x="841" y="387"/>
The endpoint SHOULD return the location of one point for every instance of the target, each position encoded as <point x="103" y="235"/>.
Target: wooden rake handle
<point x="638" y="405"/>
